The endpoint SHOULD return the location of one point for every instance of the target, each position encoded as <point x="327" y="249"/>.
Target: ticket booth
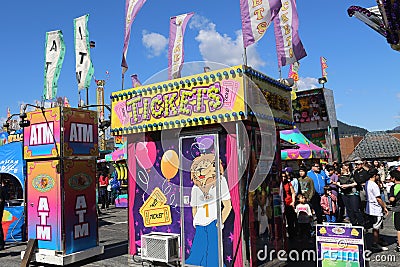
<point x="201" y="152"/>
<point x="60" y="149"/>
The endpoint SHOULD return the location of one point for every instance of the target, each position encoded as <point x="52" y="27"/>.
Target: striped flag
<point x="135" y="80"/>
<point x="257" y="15"/>
<point x="175" y="48"/>
<point x="324" y="66"/>
<point x="286" y="24"/>
<point x="84" y="67"/>
<point x="132" y="7"/>
<point x="54" y="58"/>
<point x="8" y="113"/>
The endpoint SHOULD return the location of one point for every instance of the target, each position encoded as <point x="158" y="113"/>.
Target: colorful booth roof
<point x="306" y="150"/>
<point x="205" y="98"/>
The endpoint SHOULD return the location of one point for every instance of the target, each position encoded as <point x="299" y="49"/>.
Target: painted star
<point x="231" y="237"/>
<point x="229" y="258"/>
<point x="168" y="230"/>
<point x="136" y="223"/>
<point x="190" y="242"/>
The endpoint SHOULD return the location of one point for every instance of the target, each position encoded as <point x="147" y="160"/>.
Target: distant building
<point x="374" y="145"/>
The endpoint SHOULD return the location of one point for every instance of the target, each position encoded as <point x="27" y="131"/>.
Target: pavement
<point x="113" y="235"/>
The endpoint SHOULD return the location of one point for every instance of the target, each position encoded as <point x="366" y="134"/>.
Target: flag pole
<point x="87" y="96"/>
<point x="245" y="56"/>
<point x="123" y="78"/>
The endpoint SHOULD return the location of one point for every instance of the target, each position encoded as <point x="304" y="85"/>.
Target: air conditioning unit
<point x="161" y="247"/>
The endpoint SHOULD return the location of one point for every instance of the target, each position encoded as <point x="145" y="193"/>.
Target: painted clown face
<point x="203" y="172"/>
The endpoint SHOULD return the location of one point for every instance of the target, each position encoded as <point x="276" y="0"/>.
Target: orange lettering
<point x="257" y="3"/>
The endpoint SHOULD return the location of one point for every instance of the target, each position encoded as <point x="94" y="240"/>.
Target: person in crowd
<point x="103" y="183"/>
<point x="375" y="208"/>
<point x="350" y="196"/>
<point x="394" y="198"/>
<point x="334" y="179"/>
<point x="329" y="204"/>
<point x="293" y="179"/>
<point x="262" y="214"/>
<point x="289" y="198"/>
<point x="390" y="181"/>
<point x="304" y="217"/>
<point x="3" y="198"/>
<point x="360" y="177"/>
<point x="320" y="180"/>
<point x="306" y="184"/>
<point x="115" y="188"/>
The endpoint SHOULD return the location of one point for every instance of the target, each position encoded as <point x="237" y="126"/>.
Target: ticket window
<point x="203" y="192"/>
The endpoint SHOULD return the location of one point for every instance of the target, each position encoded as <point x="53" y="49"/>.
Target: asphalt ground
<point x="113" y="234"/>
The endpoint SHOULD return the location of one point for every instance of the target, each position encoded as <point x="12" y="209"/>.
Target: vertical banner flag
<point x="324" y="66"/>
<point x="8" y="113"/>
<point x="175" y="48"/>
<point x="135" y="80"/>
<point x="132" y="7"/>
<point x="257" y="15"/>
<point x="84" y="66"/>
<point x="294" y="74"/>
<point x="288" y="45"/>
<point x="54" y="57"/>
<point x="294" y="71"/>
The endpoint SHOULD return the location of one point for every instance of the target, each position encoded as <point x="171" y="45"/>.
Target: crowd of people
<point x="108" y="190"/>
<point x="359" y="192"/>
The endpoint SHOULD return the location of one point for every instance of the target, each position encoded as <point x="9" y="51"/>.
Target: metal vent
<point x="162" y="247"/>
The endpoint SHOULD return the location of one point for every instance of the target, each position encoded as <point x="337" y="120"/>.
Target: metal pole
<point x="123" y="77"/>
<point x="87" y="96"/>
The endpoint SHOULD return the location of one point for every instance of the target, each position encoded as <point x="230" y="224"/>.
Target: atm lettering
<point x="81" y="229"/>
<point x="81" y="132"/>
<point x="41" y="134"/>
<point x="43" y="231"/>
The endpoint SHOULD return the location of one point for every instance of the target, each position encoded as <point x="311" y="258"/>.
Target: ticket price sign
<point x="340" y="246"/>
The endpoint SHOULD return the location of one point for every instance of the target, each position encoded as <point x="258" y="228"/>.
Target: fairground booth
<point x="13" y="177"/>
<point x="60" y="149"/>
<point x="302" y="152"/>
<point x="314" y="113"/>
<point x="203" y="166"/>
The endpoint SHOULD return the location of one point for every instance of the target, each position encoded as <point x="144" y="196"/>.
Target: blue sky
<point x="362" y="67"/>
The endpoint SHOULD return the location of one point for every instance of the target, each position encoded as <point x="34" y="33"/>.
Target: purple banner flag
<point x="288" y="45"/>
<point x="257" y="15"/>
<point x="135" y="80"/>
<point x="132" y="7"/>
<point x="175" y="48"/>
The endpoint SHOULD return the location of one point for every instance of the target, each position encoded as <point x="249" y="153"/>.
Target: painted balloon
<point x="169" y="164"/>
<point x="146" y="154"/>
<point x="204" y="142"/>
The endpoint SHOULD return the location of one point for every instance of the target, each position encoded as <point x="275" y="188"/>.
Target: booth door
<point x="203" y="192"/>
<point x="44" y="204"/>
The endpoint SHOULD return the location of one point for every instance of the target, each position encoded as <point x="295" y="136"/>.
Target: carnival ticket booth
<point x="60" y="149"/>
<point x="203" y="167"/>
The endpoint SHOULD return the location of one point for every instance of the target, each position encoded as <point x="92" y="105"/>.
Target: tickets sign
<point x="154" y="211"/>
<point x="198" y="99"/>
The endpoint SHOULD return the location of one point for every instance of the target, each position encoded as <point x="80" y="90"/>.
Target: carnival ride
<point x="383" y="18"/>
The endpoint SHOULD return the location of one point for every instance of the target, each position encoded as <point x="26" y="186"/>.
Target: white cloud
<point x="154" y="42"/>
<point x="338" y="105"/>
<point x="398" y="95"/>
<point x="307" y="83"/>
<point x="217" y="47"/>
